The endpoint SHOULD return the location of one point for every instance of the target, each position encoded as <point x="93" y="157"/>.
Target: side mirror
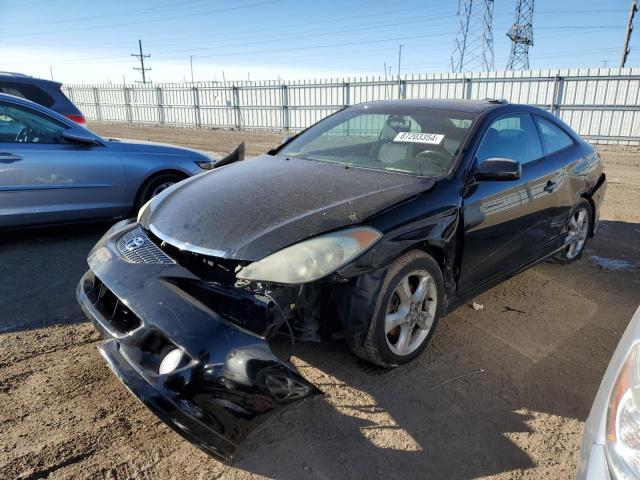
<point x="498" y="169"/>
<point x="79" y="135"/>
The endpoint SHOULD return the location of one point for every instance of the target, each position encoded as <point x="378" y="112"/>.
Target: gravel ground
<point x="542" y="341"/>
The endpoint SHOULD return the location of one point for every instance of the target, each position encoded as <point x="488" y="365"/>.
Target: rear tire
<point x="154" y="186"/>
<point x="579" y="226"/>
<point x="406" y="312"/>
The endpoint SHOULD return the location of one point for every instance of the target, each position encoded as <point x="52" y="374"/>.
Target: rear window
<point x="553" y="137"/>
<point x="30" y="92"/>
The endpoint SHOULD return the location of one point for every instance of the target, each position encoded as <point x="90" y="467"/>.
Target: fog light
<point x="170" y="361"/>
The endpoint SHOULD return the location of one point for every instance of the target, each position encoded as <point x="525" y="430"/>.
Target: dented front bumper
<point x="227" y="381"/>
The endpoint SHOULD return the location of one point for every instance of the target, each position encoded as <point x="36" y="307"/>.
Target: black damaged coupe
<point x="367" y="226"/>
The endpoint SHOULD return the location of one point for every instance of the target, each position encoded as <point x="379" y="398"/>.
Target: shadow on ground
<point x="535" y="356"/>
<point x="39" y="271"/>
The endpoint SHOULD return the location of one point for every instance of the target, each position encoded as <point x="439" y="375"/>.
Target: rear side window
<point x="512" y="136"/>
<point x="553" y="137"/>
<point x="30" y="92"/>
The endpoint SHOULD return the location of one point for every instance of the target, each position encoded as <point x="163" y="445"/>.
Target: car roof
<point x="15" y="77"/>
<point x="471" y="106"/>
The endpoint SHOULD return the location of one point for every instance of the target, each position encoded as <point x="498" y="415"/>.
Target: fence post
<point x="285" y="108"/>
<point x="127" y="104"/>
<point x="466" y="87"/>
<point x="236" y="106"/>
<point x="160" y="100"/>
<point x="96" y="99"/>
<point x="556" y="97"/>
<point x="196" y="106"/>
<point x="403" y="88"/>
<point x="346" y="94"/>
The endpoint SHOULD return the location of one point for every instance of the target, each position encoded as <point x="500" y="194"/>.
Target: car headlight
<point x="623" y="420"/>
<point x="311" y="259"/>
<point x="206" y="164"/>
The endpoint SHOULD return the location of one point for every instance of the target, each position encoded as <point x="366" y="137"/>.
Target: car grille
<point x="136" y="247"/>
<point x="114" y="312"/>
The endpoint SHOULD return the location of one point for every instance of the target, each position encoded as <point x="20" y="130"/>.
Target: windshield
<point x="419" y="141"/>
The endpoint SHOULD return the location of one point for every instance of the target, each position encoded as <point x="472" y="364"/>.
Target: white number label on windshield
<point x="419" y="137"/>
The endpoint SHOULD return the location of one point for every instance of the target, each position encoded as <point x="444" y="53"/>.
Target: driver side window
<point x="512" y="136"/>
<point x="20" y="125"/>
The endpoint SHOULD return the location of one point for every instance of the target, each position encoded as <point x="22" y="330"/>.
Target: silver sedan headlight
<point x="311" y="259"/>
<point x="623" y="420"/>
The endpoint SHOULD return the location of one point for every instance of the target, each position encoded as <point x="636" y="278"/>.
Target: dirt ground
<point x="537" y="351"/>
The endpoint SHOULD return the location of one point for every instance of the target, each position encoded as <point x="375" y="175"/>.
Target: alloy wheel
<point x="160" y="188"/>
<point x="578" y="231"/>
<point x="411" y="312"/>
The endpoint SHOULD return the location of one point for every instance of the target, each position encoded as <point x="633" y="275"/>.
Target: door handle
<point x="6" y="157"/>
<point x="550" y="186"/>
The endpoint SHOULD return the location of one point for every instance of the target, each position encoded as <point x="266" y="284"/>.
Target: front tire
<point x="579" y="226"/>
<point x="406" y="312"/>
<point x="154" y="186"/>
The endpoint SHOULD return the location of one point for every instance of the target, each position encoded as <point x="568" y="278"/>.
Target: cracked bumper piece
<point x="223" y="380"/>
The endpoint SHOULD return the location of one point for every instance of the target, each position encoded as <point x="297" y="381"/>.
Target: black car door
<point x="553" y="174"/>
<point x="505" y="222"/>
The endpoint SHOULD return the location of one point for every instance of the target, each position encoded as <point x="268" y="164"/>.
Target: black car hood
<point x="252" y="208"/>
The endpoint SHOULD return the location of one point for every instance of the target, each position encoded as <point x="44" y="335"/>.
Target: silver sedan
<point x="611" y="442"/>
<point x="54" y="171"/>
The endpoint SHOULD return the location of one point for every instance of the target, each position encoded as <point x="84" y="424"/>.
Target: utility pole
<point x="627" y="36"/>
<point x="399" y="63"/>
<point x="473" y="47"/>
<point x="385" y="81"/>
<point x="142" y="68"/>
<point x="191" y="61"/>
<point x="521" y="35"/>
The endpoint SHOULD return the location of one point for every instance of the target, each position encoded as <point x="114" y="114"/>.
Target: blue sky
<point x="85" y="41"/>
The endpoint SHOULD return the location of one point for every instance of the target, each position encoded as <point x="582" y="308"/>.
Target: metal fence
<point x="603" y="104"/>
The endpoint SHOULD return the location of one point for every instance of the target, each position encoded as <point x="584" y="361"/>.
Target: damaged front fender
<point x="227" y="380"/>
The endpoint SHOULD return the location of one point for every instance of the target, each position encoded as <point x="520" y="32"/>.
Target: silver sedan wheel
<point x="578" y="231"/>
<point x="411" y="312"/>
<point x="160" y="188"/>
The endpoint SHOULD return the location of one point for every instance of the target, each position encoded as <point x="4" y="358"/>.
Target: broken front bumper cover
<point x="227" y="380"/>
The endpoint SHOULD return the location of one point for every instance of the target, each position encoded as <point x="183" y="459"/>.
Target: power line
<point x="139" y="11"/>
<point x="147" y="21"/>
<point x="142" y="69"/>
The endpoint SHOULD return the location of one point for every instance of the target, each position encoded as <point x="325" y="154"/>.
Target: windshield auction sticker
<point x="419" y="137"/>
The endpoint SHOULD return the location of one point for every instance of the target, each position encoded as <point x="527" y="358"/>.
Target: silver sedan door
<point x="45" y="178"/>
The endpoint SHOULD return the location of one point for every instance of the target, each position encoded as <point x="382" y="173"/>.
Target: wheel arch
<point x="587" y="196"/>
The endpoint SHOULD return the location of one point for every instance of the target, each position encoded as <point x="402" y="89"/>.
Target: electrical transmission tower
<point x="521" y="35"/>
<point x="473" y="48"/>
<point x="141" y="68"/>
